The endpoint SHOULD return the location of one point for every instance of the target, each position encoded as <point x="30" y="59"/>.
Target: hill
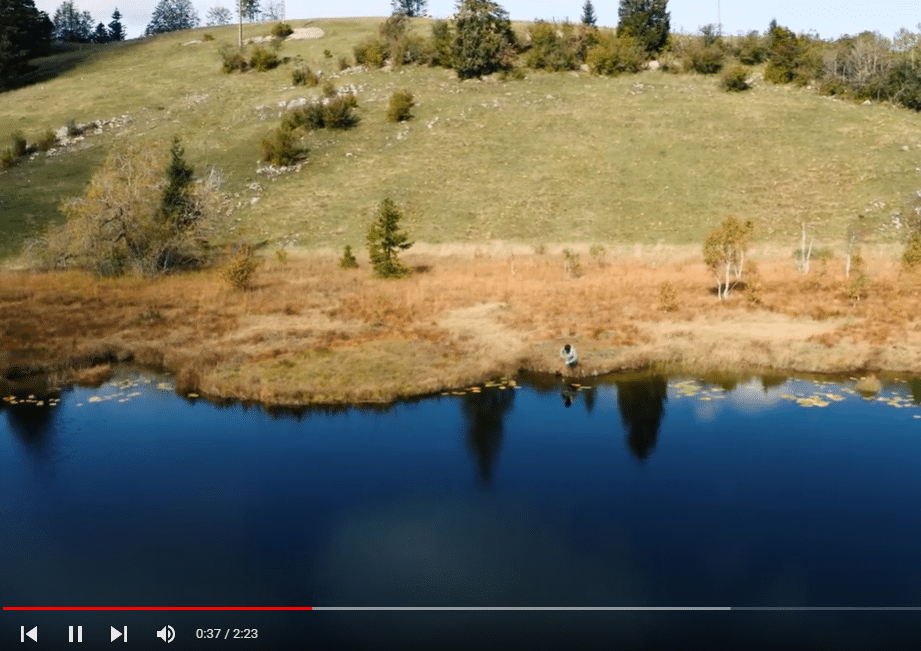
<point x="556" y="157"/>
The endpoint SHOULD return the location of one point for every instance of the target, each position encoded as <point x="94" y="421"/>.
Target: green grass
<point x="555" y="158"/>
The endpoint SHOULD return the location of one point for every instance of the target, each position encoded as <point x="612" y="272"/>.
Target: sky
<point x="829" y="18"/>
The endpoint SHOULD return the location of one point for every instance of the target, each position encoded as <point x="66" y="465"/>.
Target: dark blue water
<point x="635" y="492"/>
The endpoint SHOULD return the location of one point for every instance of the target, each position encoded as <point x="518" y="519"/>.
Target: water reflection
<point x="30" y="423"/>
<point x="485" y="414"/>
<point x="642" y="407"/>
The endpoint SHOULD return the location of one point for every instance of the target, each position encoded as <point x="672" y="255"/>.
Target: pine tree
<point x="218" y="16"/>
<point x="172" y="15"/>
<point x="24" y="32"/>
<point x="385" y="240"/>
<point x="409" y="8"/>
<point x="249" y="9"/>
<point x="483" y="38"/>
<point x="116" y="31"/>
<point x="101" y="35"/>
<point x="589" y="19"/>
<point x="71" y="25"/>
<point x="645" y="20"/>
<point x="179" y="174"/>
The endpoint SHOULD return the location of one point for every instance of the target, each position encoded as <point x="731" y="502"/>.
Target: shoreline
<point x="312" y="334"/>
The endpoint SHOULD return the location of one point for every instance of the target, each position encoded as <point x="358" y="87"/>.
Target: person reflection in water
<point x="485" y="416"/>
<point x="568" y="394"/>
<point x="642" y="406"/>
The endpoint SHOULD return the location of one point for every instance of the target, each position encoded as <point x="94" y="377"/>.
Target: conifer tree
<point x="589" y="19"/>
<point x="647" y="21"/>
<point x="409" y="8"/>
<point x="116" y="30"/>
<point x="483" y="38"/>
<point x="385" y="240"/>
<point x="172" y="15"/>
<point x="179" y="175"/>
<point x="101" y="35"/>
<point x="72" y="25"/>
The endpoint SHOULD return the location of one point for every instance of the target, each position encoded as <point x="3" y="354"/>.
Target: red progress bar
<point x="157" y="608"/>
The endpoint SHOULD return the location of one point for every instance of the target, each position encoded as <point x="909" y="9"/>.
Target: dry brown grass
<point x="308" y="331"/>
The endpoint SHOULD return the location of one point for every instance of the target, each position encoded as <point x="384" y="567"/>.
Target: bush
<point x="442" y="44"/>
<point x="911" y="259"/>
<point x="401" y="103"/>
<point x="571" y="263"/>
<point x="282" y="148"/>
<point x="304" y="76"/>
<point x="668" y="297"/>
<point x="371" y="52"/>
<point x="348" y="260"/>
<point x="343" y="64"/>
<point x="704" y="59"/>
<point x="72" y="129"/>
<point x="263" y="60"/>
<point x="232" y="59"/>
<point x="47" y="140"/>
<point x="724" y="252"/>
<point x="282" y="30"/>
<point x="735" y="79"/>
<point x="385" y="240"/>
<point x="327" y="54"/>
<point x="207" y="37"/>
<point x="615" y="55"/>
<point x="239" y="271"/>
<point x="752" y="49"/>
<point x="19" y="144"/>
<point x="7" y="159"/>
<point x="552" y="48"/>
<point x="331" y="113"/>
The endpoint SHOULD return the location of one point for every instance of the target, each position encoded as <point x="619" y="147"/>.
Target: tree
<point x="274" y="10"/>
<point x="409" y="8"/>
<point x="249" y="9"/>
<point x="385" y="240"/>
<point x="172" y="15"/>
<point x="218" y="16"/>
<point x="124" y="222"/>
<point x="71" y="25"/>
<point x="724" y="252"/>
<point x="116" y="30"/>
<point x="645" y="20"/>
<point x="101" y="35"/>
<point x="589" y="19"/>
<point x="484" y="41"/>
<point x="25" y="32"/>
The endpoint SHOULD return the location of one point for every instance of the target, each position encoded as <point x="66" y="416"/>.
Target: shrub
<point x="327" y="54"/>
<point x="401" y="103"/>
<point x="571" y="263"/>
<point x="598" y="252"/>
<point x="615" y="55"/>
<point x="735" y="79"/>
<point x="348" y="260"/>
<point x="47" y="140"/>
<point x="282" y="256"/>
<point x="385" y="240"/>
<point x="304" y="76"/>
<point x="232" y="59"/>
<point x="704" y="59"/>
<point x="553" y="47"/>
<point x="207" y="37"/>
<point x="282" y="148"/>
<point x="911" y="258"/>
<point x="752" y="49"/>
<point x="371" y="52"/>
<point x="282" y="30"/>
<point x="442" y="44"/>
<point x="72" y="129"/>
<point x="332" y="113"/>
<point x="19" y="144"/>
<point x="263" y="60"/>
<point x="343" y="64"/>
<point x="239" y="271"/>
<point x="7" y="159"/>
<point x="329" y="89"/>
<point x="668" y="297"/>
<point x="515" y="73"/>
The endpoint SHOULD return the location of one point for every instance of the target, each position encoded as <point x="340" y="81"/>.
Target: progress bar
<point x="470" y="608"/>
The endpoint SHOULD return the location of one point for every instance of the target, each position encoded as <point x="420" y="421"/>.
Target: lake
<point x="634" y="491"/>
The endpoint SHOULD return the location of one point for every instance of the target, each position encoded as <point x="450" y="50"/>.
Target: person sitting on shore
<point x="568" y="353"/>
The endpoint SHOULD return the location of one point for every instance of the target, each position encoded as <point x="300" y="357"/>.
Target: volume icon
<point x="167" y="634"/>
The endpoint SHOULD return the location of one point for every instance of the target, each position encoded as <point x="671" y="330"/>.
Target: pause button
<point x="70" y="634"/>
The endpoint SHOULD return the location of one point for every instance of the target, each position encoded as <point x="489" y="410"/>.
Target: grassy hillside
<point x="564" y="157"/>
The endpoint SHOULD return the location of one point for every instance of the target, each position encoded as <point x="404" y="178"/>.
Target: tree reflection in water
<point x="485" y="415"/>
<point x="642" y="406"/>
